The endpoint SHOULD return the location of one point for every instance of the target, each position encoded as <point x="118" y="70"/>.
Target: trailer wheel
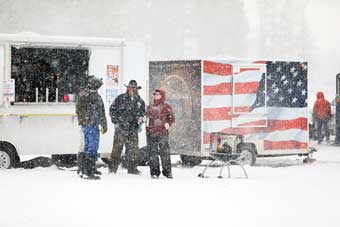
<point x="247" y="156"/>
<point x="8" y="156"/>
<point x="190" y="161"/>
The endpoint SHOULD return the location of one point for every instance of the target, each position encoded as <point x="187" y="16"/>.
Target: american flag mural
<point x="264" y="101"/>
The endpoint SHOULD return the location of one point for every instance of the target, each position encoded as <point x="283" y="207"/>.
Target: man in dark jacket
<point x="127" y="112"/>
<point x="91" y="114"/>
<point x="322" y="114"/>
<point x="159" y="119"/>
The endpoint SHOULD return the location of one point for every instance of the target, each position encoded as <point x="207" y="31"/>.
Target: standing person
<point x="91" y="114"/>
<point x="322" y="114"/>
<point x="159" y="119"/>
<point x="127" y="112"/>
<point x="337" y="121"/>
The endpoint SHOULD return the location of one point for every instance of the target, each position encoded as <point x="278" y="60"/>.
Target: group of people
<point x="128" y="114"/>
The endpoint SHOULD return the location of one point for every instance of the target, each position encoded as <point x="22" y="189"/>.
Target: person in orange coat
<point x="322" y="114"/>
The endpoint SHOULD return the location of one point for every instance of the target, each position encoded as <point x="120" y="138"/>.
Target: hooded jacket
<point x="158" y="114"/>
<point x="90" y="107"/>
<point x="322" y="108"/>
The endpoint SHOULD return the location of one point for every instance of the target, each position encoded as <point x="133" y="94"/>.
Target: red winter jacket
<point x="322" y="108"/>
<point x="158" y="114"/>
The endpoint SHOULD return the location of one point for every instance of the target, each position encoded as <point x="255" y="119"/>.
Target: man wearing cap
<point x="91" y="114"/>
<point x="127" y="112"/>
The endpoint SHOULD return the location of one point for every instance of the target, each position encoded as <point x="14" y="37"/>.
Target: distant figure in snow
<point x="322" y="114"/>
<point x="127" y="112"/>
<point x="91" y="114"/>
<point x="159" y="119"/>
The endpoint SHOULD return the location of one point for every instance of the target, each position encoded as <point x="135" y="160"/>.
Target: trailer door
<point x="249" y="94"/>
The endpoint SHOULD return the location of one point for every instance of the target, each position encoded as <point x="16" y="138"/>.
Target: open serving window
<point x="48" y="74"/>
<point x="36" y="69"/>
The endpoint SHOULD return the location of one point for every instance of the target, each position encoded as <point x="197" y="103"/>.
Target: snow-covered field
<point x="279" y="192"/>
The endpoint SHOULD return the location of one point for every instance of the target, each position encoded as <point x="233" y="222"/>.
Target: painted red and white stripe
<point x="285" y="129"/>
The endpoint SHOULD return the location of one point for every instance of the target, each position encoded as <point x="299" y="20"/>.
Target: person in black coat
<point x="91" y="114"/>
<point x="127" y="112"/>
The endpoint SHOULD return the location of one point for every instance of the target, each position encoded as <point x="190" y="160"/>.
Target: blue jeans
<point x="91" y="140"/>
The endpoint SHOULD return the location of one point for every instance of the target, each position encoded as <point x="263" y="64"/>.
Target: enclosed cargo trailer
<point x="264" y="101"/>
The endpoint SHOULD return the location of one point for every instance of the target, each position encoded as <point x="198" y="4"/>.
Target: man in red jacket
<point x="322" y="114"/>
<point x="159" y="119"/>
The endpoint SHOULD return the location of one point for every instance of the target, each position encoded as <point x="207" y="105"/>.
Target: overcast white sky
<point x="323" y="17"/>
<point x="323" y="25"/>
<point x="182" y="29"/>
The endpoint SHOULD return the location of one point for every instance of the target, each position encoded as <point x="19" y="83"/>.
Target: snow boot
<point x="89" y="167"/>
<point x="80" y="163"/>
<point x="167" y="174"/>
<point x="97" y="172"/>
<point x="112" y="168"/>
<point x="134" y="171"/>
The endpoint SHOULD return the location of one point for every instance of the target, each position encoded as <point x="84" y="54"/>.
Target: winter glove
<point x="103" y="129"/>
<point x="167" y="126"/>
<point x="139" y="128"/>
<point x="140" y="120"/>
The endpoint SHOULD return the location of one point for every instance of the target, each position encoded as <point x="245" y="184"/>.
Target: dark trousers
<point x="159" y="146"/>
<point x="322" y="123"/>
<point x="86" y="163"/>
<point x="337" y="134"/>
<point x="129" y="139"/>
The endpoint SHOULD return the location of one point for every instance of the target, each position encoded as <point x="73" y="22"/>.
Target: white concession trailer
<point x="40" y="77"/>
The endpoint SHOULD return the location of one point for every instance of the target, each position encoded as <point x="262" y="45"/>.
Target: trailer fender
<point x="250" y="146"/>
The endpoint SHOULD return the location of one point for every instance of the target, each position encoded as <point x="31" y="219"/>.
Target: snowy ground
<point x="279" y="192"/>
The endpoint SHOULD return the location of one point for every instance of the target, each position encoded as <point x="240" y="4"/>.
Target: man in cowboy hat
<point x="127" y="112"/>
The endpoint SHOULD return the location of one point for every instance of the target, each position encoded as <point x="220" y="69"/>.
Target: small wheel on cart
<point x="247" y="157"/>
<point x="219" y="177"/>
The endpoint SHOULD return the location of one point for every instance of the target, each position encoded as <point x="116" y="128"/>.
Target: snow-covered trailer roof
<point x="34" y="38"/>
